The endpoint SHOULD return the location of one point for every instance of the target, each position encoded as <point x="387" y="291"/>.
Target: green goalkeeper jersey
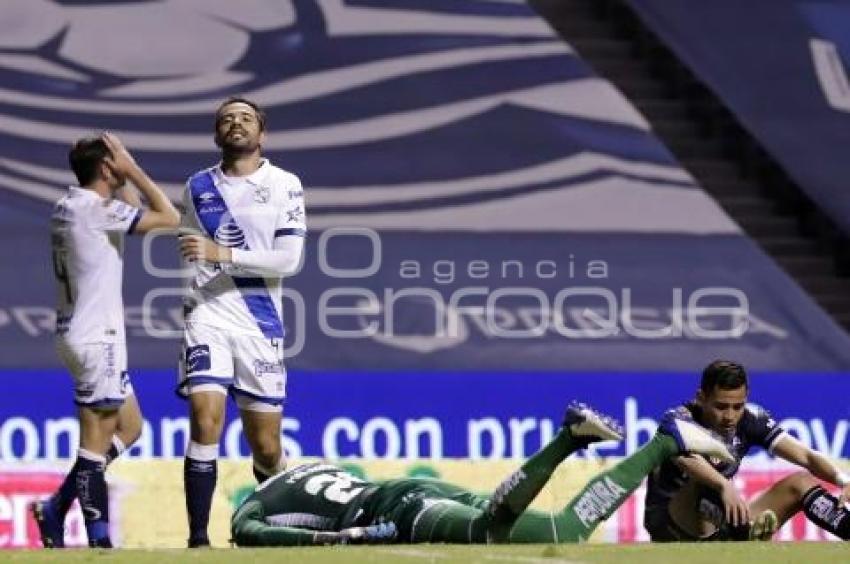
<point x="292" y="506"/>
<point x="314" y="496"/>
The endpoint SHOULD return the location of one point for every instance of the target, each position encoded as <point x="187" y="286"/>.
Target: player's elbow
<point x="172" y="219"/>
<point x="286" y="263"/>
<point x="289" y="265"/>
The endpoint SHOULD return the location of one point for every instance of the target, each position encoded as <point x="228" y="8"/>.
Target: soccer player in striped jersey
<point x="692" y="498"/>
<point x="87" y="232"/>
<point x="322" y="504"/>
<point x="242" y="231"/>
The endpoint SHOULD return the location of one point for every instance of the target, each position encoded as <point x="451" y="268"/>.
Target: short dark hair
<point x="723" y="374"/>
<point x="261" y="115"/>
<point x="85" y="158"/>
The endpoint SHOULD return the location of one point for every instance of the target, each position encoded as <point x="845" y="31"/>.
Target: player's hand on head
<point x="121" y="160"/>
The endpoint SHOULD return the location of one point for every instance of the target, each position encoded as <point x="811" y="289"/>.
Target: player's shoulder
<point x="682" y="411"/>
<point x="283" y="179"/>
<point x="757" y="416"/>
<point x="309" y="469"/>
<point x="203" y="174"/>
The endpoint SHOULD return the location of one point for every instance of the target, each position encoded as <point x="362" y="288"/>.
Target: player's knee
<point x="799" y="482"/>
<point x="206" y="426"/>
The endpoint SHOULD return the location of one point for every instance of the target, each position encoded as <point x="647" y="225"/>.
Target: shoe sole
<point x="594" y="426"/>
<point x="698" y="440"/>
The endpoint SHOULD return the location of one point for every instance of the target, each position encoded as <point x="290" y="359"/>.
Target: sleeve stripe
<point x="134" y="222"/>
<point x="296" y="231"/>
<point x="772" y="442"/>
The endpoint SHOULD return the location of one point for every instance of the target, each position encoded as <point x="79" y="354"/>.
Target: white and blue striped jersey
<point x="87" y="237"/>
<point x="250" y="213"/>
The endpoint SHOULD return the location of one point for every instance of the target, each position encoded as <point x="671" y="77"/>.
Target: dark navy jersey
<point x="755" y="429"/>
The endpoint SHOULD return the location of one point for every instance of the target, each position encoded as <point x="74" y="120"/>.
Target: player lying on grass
<point x="693" y="498"/>
<point x="321" y="504"/>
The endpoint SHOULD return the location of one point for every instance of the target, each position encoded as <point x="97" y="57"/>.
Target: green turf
<point x="724" y="553"/>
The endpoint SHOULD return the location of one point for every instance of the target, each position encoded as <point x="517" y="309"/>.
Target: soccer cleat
<point x="49" y="524"/>
<point x="691" y="437"/>
<point x="764" y="526"/>
<point x="589" y="426"/>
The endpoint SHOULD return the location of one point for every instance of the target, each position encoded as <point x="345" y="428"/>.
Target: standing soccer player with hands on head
<point x="243" y="230"/>
<point x="87" y="235"/>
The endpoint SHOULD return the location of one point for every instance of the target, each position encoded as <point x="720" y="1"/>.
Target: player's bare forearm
<point x="795" y="452"/>
<point x="157" y="199"/>
<point x="129" y="195"/>
<point x="702" y="472"/>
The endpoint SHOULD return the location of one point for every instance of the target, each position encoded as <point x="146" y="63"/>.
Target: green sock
<point x="517" y="492"/>
<point x="608" y="490"/>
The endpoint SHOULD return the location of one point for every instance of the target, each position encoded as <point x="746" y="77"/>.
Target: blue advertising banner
<point x="781" y="67"/>
<point x="422" y="415"/>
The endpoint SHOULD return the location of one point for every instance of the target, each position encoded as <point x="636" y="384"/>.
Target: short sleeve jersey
<point x="757" y="428"/>
<point x="87" y="237"/>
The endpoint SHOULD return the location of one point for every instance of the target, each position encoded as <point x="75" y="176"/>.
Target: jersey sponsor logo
<point x="507" y="487"/>
<point x="198" y="358"/>
<point x="230" y="235"/>
<point x="598" y="501"/>
<point x="263" y="368"/>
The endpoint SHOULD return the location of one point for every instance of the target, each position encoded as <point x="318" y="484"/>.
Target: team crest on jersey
<point x="262" y="194"/>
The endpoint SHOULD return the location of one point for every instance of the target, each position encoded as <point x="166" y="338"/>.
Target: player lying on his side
<point x="321" y="504"/>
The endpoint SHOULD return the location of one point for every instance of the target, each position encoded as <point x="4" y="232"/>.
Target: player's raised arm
<point x="162" y="213"/>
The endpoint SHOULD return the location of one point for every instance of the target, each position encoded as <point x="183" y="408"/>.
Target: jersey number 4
<point x="339" y="487"/>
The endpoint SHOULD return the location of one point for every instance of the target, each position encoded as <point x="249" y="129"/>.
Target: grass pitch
<point x="763" y="553"/>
